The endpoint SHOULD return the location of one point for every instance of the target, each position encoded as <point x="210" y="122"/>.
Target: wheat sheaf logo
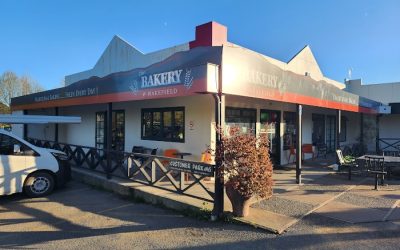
<point x="188" y="81"/>
<point x="134" y="87"/>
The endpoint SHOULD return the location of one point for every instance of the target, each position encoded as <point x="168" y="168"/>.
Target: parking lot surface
<point x="80" y="217"/>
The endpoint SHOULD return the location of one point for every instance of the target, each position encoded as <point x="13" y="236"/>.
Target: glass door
<point x="118" y="130"/>
<point x="270" y="124"/>
<point x="318" y="130"/>
<point x="330" y="133"/>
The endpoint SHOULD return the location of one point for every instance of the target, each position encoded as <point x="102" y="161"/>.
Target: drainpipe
<point x="338" y="128"/>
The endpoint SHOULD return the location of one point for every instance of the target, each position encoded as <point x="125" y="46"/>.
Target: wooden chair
<point x="292" y="151"/>
<point x="307" y="149"/>
<point x="206" y="157"/>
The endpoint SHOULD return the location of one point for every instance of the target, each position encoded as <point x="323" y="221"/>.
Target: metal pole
<point x="299" y="109"/>
<point x="218" y="209"/>
<point x="377" y="147"/>
<point x="56" y="126"/>
<point x="109" y="139"/>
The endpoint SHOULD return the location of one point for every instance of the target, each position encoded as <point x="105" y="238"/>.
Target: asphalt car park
<point x="79" y="216"/>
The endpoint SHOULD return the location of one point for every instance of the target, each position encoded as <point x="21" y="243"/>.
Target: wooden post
<point x="299" y="109"/>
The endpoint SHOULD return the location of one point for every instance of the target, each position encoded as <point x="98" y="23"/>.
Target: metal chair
<point x="343" y="163"/>
<point x="376" y="166"/>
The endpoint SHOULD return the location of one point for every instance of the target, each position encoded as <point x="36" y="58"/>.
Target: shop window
<point x="100" y="130"/>
<point x="343" y="129"/>
<point x="164" y="124"/>
<point x="245" y="119"/>
<point x="117" y="131"/>
<point x="289" y="135"/>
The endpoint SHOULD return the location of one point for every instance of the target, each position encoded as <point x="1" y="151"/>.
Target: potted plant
<point x="246" y="167"/>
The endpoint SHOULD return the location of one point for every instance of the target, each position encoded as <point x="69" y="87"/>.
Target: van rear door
<point x="12" y="165"/>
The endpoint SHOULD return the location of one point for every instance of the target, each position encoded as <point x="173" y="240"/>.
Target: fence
<point x="191" y="178"/>
<point x="388" y="144"/>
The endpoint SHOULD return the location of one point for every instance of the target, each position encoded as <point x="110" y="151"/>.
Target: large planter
<point x="240" y="204"/>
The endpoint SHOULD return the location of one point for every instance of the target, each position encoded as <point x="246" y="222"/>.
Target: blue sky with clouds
<point x="50" y="39"/>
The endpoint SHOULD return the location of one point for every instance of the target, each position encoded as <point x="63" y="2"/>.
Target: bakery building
<point x="174" y="97"/>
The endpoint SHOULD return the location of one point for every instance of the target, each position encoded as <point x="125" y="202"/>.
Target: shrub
<point x="246" y="164"/>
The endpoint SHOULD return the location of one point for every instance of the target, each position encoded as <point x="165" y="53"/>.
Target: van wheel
<point x="39" y="184"/>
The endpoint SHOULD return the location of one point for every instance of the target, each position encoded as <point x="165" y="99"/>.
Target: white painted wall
<point x="389" y="126"/>
<point x="41" y="131"/>
<point x="381" y="92"/>
<point x="198" y="109"/>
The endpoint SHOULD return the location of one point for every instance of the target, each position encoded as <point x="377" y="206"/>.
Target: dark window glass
<point x="245" y="119"/>
<point x="289" y="135"/>
<point x="163" y="124"/>
<point x="100" y="130"/>
<point x="343" y="129"/>
<point x="146" y="124"/>
<point x="118" y="130"/>
<point x="7" y="144"/>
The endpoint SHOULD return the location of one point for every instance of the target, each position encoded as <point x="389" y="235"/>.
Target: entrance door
<point x="330" y="133"/>
<point x="118" y="130"/>
<point x="318" y="130"/>
<point x="270" y="124"/>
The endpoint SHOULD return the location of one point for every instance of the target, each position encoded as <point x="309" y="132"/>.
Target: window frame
<point x="161" y="137"/>
<point x="241" y="110"/>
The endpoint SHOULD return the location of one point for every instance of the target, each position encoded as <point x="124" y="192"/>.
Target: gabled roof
<point x="305" y="62"/>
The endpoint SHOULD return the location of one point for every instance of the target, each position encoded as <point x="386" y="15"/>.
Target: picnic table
<point x="387" y="163"/>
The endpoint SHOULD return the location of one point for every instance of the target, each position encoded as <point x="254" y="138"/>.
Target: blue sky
<point x="50" y="39"/>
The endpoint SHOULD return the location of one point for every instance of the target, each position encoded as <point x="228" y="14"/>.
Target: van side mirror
<point x="17" y="148"/>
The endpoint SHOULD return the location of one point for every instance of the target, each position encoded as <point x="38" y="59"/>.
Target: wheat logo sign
<point x="188" y="81"/>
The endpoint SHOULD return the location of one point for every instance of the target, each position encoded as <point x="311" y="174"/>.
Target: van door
<point x="12" y="165"/>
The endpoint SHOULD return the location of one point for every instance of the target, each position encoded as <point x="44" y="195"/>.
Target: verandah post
<point x="218" y="209"/>
<point x="299" y="111"/>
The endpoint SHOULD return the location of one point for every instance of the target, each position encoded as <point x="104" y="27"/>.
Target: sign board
<point x="192" y="167"/>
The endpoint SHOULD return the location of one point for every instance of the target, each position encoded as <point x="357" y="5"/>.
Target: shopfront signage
<point x="192" y="167"/>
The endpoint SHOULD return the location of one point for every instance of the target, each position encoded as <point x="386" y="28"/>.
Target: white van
<point x="30" y="169"/>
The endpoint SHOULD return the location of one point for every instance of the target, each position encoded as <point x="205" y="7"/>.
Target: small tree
<point x="246" y="166"/>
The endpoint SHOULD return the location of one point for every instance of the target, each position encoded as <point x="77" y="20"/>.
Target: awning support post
<point x="218" y="209"/>
<point x="299" y="109"/>
<point x="109" y="139"/>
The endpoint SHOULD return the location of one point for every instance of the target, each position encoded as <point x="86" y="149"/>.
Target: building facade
<point x="175" y="98"/>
